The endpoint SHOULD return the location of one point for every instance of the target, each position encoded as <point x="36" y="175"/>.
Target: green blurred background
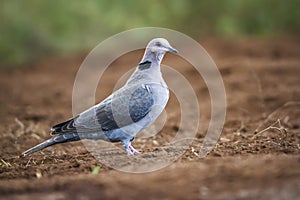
<point x="33" y="28"/>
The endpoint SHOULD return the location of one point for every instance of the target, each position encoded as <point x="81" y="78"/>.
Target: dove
<point x="126" y="112"/>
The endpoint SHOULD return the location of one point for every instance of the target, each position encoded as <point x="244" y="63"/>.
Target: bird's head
<point x="156" y="49"/>
<point x="160" y="45"/>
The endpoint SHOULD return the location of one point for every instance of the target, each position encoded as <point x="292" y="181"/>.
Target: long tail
<point x="62" y="138"/>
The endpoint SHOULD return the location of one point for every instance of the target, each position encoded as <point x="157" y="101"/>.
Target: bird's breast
<point x="159" y="91"/>
<point x="160" y="94"/>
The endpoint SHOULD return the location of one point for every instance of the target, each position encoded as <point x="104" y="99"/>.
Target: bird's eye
<point x="158" y="44"/>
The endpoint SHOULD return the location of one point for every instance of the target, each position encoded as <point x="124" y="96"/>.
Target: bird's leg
<point x="131" y="151"/>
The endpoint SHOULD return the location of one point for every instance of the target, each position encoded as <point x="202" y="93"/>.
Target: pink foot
<point x="131" y="151"/>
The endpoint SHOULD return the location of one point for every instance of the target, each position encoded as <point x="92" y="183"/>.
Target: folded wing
<point x="122" y="108"/>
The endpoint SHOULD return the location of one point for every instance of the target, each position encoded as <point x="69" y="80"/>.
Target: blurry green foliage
<point x="33" y="28"/>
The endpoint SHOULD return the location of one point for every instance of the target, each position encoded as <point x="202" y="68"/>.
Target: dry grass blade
<point x="280" y="128"/>
<point x="6" y="164"/>
<point x="20" y="124"/>
<point x="289" y="103"/>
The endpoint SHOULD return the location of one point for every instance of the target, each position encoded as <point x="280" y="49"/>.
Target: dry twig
<point x="289" y="103"/>
<point x="280" y="128"/>
<point x="20" y="124"/>
<point x="7" y="164"/>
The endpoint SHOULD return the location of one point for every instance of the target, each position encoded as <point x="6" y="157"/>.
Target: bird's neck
<point x="148" y="71"/>
<point x="153" y="57"/>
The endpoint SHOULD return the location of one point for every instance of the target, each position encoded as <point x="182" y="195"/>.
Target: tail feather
<point x="62" y="138"/>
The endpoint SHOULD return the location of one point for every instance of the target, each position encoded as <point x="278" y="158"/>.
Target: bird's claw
<point x="132" y="151"/>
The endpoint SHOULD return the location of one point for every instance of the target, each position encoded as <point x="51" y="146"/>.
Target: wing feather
<point x="102" y="117"/>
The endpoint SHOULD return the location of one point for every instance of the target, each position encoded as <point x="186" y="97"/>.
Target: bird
<point x="126" y="112"/>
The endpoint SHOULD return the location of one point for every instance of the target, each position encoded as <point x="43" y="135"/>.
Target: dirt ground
<point x="262" y="86"/>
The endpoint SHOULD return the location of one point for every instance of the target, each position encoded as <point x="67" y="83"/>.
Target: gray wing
<point x="124" y="107"/>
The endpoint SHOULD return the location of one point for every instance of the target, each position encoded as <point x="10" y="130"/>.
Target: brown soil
<point x="262" y="87"/>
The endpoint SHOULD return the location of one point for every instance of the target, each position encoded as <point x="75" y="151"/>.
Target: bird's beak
<point x="171" y="49"/>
